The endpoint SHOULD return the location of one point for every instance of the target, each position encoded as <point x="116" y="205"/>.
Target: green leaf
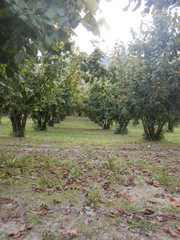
<point x="54" y="47"/>
<point x="87" y="17"/>
<point x="62" y="12"/>
<point x="23" y="17"/>
<point x="49" y="40"/>
<point x="26" y="89"/>
<point x="62" y="21"/>
<point x="92" y="6"/>
<point x="96" y="31"/>
<point x="61" y="36"/>
<point x="50" y="13"/>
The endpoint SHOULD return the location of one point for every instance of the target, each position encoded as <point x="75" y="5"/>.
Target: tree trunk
<point x="18" y="124"/>
<point x="152" y="132"/>
<point x="51" y="121"/>
<point x="170" y="126"/>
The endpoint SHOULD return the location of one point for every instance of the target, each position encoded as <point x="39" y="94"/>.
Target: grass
<point x="73" y="177"/>
<point x="78" y="131"/>
<point x="73" y="130"/>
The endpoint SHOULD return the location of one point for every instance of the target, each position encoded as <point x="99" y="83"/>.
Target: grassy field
<point x="77" y="181"/>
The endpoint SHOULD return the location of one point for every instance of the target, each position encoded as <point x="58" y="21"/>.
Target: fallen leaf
<point x="22" y="228"/>
<point x="156" y="184"/>
<point x="43" y="212"/>
<point x="28" y="227"/>
<point x="71" y="205"/>
<point x="16" y="214"/>
<point x="4" y="219"/>
<point x="148" y="212"/>
<point x="160" y="219"/>
<point x="128" y="197"/>
<point x="8" y="200"/>
<point x="153" y="202"/>
<point x="73" y="233"/>
<point x="157" y="195"/>
<point x="120" y="208"/>
<point x="25" y="227"/>
<point x="171" y="199"/>
<point x="56" y="201"/>
<point x="175" y="204"/>
<point x="112" y="215"/>
<point x="172" y="216"/>
<point x="45" y="206"/>
<point x="14" y="234"/>
<point x="39" y="189"/>
<point x="167" y="230"/>
<point x="64" y="212"/>
<point x="178" y="227"/>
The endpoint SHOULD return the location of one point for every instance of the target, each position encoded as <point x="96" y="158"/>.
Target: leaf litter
<point x="127" y="192"/>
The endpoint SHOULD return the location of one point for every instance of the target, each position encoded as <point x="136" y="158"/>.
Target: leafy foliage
<point x="97" y="106"/>
<point x="154" y="75"/>
<point x="119" y="90"/>
<point x="154" y="6"/>
<point x="31" y="25"/>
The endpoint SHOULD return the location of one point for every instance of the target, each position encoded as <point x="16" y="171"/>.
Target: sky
<point x="120" y="23"/>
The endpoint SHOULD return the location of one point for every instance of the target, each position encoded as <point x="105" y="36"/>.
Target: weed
<point x="12" y="162"/>
<point x="142" y="223"/>
<point x="162" y="177"/>
<point x="94" y="195"/>
<point x="95" y="173"/>
<point x="127" y="205"/>
<point x="4" y="235"/>
<point x="50" y="236"/>
<point x="111" y="163"/>
<point x="89" y="233"/>
<point x="76" y="171"/>
<point x="117" y="175"/>
<point x="34" y="218"/>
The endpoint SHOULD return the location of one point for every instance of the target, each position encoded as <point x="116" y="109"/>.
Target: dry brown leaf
<point x="165" y="229"/>
<point x="25" y="227"/>
<point x="8" y="200"/>
<point x="120" y="208"/>
<point x="56" y="201"/>
<point x="153" y="202"/>
<point x="112" y="215"/>
<point x="168" y="230"/>
<point x="4" y="219"/>
<point x="171" y="216"/>
<point x="14" y="234"/>
<point x="42" y="212"/>
<point x="178" y="227"/>
<point x="160" y="219"/>
<point x="128" y="197"/>
<point x="171" y="199"/>
<point x="16" y="214"/>
<point x="148" y="212"/>
<point x="156" y="184"/>
<point x="45" y="206"/>
<point x="73" y="233"/>
<point x="39" y="189"/>
<point x="22" y="228"/>
<point x="175" y="204"/>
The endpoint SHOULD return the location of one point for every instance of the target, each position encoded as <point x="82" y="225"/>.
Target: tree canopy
<point x="153" y="6"/>
<point x="27" y="26"/>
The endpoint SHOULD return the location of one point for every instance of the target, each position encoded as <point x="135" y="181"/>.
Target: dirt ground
<point x="120" y="191"/>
